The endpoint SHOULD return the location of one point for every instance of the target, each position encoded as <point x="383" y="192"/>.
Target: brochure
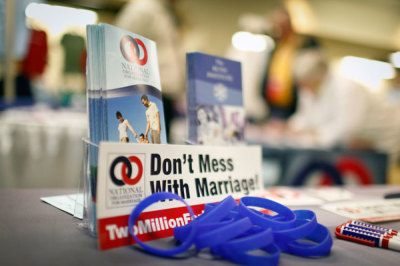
<point x="123" y="93"/>
<point x="124" y="88"/>
<point x="216" y="114"/>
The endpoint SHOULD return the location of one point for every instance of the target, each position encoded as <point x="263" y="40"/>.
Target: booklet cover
<point x="216" y="114"/>
<point x="124" y="88"/>
<point x="123" y="93"/>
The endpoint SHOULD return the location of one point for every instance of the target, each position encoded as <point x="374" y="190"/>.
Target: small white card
<point x="128" y="173"/>
<point x="290" y="196"/>
<point x="330" y="193"/>
<point x="372" y="211"/>
<point x="72" y="203"/>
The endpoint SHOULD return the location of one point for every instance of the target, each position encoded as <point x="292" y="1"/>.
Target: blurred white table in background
<point x="41" y="147"/>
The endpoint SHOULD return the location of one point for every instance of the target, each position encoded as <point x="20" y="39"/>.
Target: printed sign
<point x="199" y="174"/>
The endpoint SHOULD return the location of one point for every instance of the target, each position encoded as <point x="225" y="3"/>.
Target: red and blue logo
<point x="126" y="170"/>
<point x="133" y="50"/>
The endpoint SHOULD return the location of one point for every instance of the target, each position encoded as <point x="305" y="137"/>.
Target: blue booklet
<point x="123" y="91"/>
<point x="216" y="114"/>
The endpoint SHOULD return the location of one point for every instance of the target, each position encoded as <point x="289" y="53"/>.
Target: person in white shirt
<point x="123" y="128"/>
<point x="153" y="120"/>
<point x="335" y="111"/>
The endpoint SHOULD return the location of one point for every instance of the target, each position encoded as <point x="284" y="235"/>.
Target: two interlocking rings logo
<point x="126" y="170"/>
<point x="130" y="50"/>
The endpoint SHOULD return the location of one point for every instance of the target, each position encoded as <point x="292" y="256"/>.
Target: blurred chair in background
<point x="350" y="166"/>
<point x="319" y="167"/>
<point x="330" y="171"/>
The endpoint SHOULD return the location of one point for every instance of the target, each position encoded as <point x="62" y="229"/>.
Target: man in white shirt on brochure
<point x="333" y="110"/>
<point x="153" y="120"/>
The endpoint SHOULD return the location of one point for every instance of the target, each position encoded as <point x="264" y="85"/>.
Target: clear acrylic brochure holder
<point x="87" y="187"/>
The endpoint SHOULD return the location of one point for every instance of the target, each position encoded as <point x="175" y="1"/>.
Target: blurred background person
<point x="327" y="112"/>
<point x="336" y="111"/>
<point x="279" y="88"/>
<point x="159" y="21"/>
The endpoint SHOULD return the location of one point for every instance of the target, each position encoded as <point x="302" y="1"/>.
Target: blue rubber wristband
<point x="223" y="234"/>
<point x="253" y="239"/>
<point x="243" y="258"/>
<point x="209" y="206"/>
<point x="215" y="214"/>
<point x="218" y="212"/>
<point x="180" y="233"/>
<point x="233" y="213"/>
<point x="264" y="220"/>
<point x="305" y="224"/>
<point x="321" y="235"/>
<point x="146" y="203"/>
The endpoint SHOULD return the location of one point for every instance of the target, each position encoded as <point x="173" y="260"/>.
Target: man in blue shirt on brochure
<point x="153" y="120"/>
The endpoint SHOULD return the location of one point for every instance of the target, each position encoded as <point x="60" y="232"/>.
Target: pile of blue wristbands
<point x="242" y="234"/>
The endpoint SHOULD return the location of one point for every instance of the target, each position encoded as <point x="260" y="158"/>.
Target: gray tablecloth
<point x="35" y="233"/>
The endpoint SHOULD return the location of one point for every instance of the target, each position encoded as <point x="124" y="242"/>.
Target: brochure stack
<point x="123" y="92"/>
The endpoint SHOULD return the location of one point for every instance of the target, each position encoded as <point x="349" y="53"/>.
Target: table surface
<point x="35" y="233"/>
